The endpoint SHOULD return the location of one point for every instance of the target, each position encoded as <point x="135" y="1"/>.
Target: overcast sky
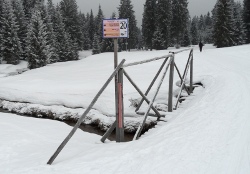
<point x="196" y="7"/>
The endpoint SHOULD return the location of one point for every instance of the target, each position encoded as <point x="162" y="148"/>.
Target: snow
<point x="8" y="69"/>
<point x="209" y="133"/>
<point x="74" y="84"/>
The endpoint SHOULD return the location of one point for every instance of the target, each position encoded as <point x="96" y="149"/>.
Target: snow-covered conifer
<point x="246" y="18"/>
<point x="91" y="28"/>
<point x="98" y="28"/>
<point x="208" y="35"/>
<point x="51" y="40"/>
<point x="223" y="33"/>
<point x="1" y="11"/>
<point x="126" y="12"/>
<point x="10" y="44"/>
<point x="22" y="24"/>
<point x="148" y="23"/>
<point x="158" y="39"/>
<point x="29" y="5"/>
<point x="139" y="39"/>
<point x="194" y="31"/>
<point x="38" y="50"/>
<point x="86" y="42"/>
<point x="71" y="20"/>
<point x="65" y="49"/>
<point x="96" y="45"/>
<point x="186" y="38"/>
<point x="163" y="19"/>
<point x="180" y="21"/>
<point x="239" y="31"/>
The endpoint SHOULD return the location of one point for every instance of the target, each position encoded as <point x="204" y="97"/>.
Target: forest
<point x="43" y="32"/>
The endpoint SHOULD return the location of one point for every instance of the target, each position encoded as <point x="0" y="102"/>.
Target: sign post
<point x="117" y="28"/>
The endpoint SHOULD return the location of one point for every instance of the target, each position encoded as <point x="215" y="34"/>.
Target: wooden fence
<point x="118" y="75"/>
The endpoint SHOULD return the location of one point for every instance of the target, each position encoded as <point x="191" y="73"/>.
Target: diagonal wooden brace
<point x="140" y="92"/>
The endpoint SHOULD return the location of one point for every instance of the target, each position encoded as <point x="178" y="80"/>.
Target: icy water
<point x="83" y="127"/>
<point x="96" y="130"/>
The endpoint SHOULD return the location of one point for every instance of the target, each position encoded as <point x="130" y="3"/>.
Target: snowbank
<point x="209" y="133"/>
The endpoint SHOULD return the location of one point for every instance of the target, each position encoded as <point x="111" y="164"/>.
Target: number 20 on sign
<point x="115" y="28"/>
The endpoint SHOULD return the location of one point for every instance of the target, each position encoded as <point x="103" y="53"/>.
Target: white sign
<point x="115" y="28"/>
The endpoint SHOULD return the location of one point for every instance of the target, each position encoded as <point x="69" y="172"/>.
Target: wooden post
<point x="115" y="52"/>
<point x="84" y="114"/>
<point x="116" y="85"/>
<point x="191" y="74"/>
<point x="152" y="83"/>
<point x="171" y="81"/>
<point x="120" y="115"/>
<point x="109" y="131"/>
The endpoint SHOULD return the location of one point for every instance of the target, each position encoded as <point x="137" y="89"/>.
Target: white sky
<point x="196" y="7"/>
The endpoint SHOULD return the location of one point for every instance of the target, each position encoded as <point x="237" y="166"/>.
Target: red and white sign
<point x="115" y="28"/>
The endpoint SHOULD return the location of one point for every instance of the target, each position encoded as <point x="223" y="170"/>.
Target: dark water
<point x="4" y="111"/>
<point x="96" y="130"/>
<point x="83" y="127"/>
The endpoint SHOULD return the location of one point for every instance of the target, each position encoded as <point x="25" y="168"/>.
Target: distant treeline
<point x="46" y="33"/>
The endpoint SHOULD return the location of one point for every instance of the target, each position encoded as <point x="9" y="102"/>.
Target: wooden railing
<point x="118" y="75"/>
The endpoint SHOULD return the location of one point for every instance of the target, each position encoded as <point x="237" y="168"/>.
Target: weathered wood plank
<point x="120" y="115"/>
<point x="146" y="61"/>
<point x="108" y="133"/>
<point x="171" y="84"/>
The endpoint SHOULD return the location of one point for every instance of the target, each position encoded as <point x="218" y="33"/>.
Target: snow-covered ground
<point x="209" y="133"/>
<point x="11" y="70"/>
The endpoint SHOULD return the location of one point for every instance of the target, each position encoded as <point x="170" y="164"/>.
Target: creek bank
<point x="94" y="118"/>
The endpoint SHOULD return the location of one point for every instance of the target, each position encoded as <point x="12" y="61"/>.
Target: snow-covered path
<point x="209" y="134"/>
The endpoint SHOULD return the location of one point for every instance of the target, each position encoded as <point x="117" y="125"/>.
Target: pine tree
<point x="148" y="23"/>
<point x="38" y="52"/>
<point x="51" y="40"/>
<point x="180" y="21"/>
<point x="84" y="30"/>
<point x="239" y="31"/>
<point x="91" y="28"/>
<point x="194" y="31"/>
<point x="64" y="43"/>
<point x="86" y="42"/>
<point x="246" y="18"/>
<point x="139" y="41"/>
<point x="126" y="12"/>
<point x="98" y="27"/>
<point x="163" y="21"/>
<point x="209" y="29"/>
<point x="29" y="5"/>
<point x="1" y="12"/>
<point x="51" y="12"/>
<point x="201" y="28"/>
<point x="224" y="24"/>
<point x="22" y="24"/>
<point x="10" y="44"/>
<point x="201" y="23"/>
<point x="158" y="39"/>
<point x="71" y="20"/>
<point x="96" y="45"/>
